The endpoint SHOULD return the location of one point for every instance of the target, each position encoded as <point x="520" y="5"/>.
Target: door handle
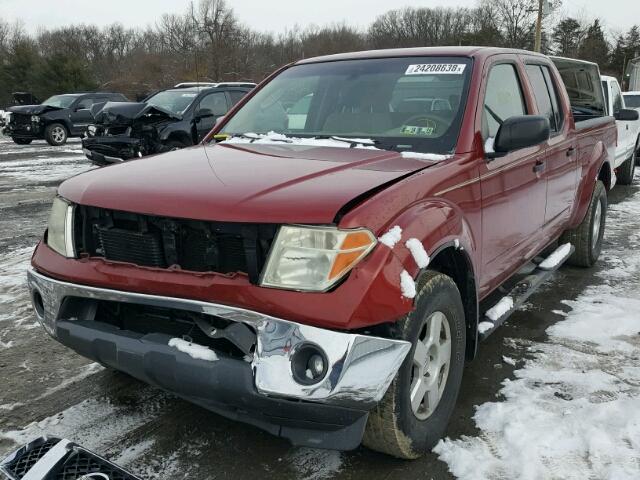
<point x="570" y="151"/>
<point x="539" y="166"/>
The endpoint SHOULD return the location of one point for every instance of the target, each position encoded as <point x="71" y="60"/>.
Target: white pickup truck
<point x="628" y="127"/>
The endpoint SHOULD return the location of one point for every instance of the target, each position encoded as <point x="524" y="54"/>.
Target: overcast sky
<point x="272" y="15"/>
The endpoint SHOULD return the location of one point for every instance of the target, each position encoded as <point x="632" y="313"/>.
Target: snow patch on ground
<point x="199" y="352"/>
<point x="499" y="309"/>
<point x="418" y="252"/>
<point x="573" y="411"/>
<point x="393" y="236"/>
<point x="48" y="169"/>
<point x="558" y="255"/>
<point x="312" y="464"/>
<point x="432" y="157"/>
<point x="407" y="285"/>
<point x="13" y="271"/>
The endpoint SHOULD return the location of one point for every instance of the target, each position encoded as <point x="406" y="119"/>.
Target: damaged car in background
<point x="167" y="120"/>
<point x="56" y="119"/>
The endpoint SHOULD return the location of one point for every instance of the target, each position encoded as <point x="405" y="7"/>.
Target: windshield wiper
<point x="351" y="142"/>
<point x="253" y="137"/>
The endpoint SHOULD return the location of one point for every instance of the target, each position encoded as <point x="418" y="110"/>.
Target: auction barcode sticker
<point x="431" y="68"/>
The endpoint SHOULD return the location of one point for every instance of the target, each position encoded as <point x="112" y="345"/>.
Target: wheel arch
<point x="448" y="239"/>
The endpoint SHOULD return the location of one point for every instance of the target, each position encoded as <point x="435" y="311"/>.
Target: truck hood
<point x="125" y="113"/>
<point x="243" y="183"/>
<point x="32" y="109"/>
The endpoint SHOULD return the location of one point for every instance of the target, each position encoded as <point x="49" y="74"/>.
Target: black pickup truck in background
<point x="166" y="120"/>
<point x="57" y="118"/>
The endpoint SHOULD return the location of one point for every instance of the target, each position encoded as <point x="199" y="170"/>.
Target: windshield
<point x="176" y="101"/>
<point x="61" y="101"/>
<point x="410" y="103"/>
<point x="632" y="101"/>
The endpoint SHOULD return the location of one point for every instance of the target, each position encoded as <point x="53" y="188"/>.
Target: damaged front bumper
<point x="330" y="412"/>
<point x="106" y="150"/>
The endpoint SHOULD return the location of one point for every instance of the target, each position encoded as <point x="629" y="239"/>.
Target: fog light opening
<point x="38" y="304"/>
<point x="309" y="364"/>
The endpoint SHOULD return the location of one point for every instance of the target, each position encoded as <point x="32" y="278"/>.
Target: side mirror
<point x="204" y="113"/>
<point x="520" y="132"/>
<point x="626" y="115"/>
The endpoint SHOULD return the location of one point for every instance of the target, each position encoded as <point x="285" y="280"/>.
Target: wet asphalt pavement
<point x="46" y="388"/>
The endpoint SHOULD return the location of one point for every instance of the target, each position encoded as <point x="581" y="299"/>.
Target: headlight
<point x="314" y="258"/>
<point x="60" y="232"/>
<point x="35" y="118"/>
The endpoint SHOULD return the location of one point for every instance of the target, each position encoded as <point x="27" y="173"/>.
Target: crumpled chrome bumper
<point x="360" y="367"/>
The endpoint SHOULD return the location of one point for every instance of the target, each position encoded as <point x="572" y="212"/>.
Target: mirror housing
<point x="520" y="132"/>
<point x="204" y="113"/>
<point x="626" y="115"/>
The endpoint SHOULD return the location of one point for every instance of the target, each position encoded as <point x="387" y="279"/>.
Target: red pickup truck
<point x="323" y="264"/>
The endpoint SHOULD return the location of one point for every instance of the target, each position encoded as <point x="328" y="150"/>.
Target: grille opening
<point x="145" y="319"/>
<point x="29" y="455"/>
<point x="80" y="462"/>
<point x="162" y="242"/>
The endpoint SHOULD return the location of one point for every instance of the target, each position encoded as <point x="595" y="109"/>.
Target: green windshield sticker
<point x="410" y="130"/>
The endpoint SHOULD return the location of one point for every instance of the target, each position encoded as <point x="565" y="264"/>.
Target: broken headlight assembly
<point x="314" y="259"/>
<point x="91" y="131"/>
<point x="35" y="118"/>
<point x="60" y="229"/>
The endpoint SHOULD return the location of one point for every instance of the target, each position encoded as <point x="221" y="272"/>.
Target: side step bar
<point x="496" y="315"/>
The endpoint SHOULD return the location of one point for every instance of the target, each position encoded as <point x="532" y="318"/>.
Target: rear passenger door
<point x="626" y="142"/>
<point x="513" y="188"/>
<point x="216" y="105"/>
<point x="560" y="162"/>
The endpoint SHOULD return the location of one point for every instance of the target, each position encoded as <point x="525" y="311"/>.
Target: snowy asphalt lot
<point x="555" y="394"/>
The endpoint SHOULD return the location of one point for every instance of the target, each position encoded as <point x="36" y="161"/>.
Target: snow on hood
<point x="118" y="113"/>
<point x="279" y="138"/>
<point x="333" y="141"/>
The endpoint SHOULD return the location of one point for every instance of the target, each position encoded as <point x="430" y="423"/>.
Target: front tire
<point x="587" y="237"/>
<point x="22" y="141"/>
<point x="415" y="411"/>
<point x="56" y="134"/>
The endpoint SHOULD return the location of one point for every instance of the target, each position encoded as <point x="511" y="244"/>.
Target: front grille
<point x="81" y="463"/>
<point x="26" y="459"/>
<point x="163" y="242"/>
<point x="19" y="119"/>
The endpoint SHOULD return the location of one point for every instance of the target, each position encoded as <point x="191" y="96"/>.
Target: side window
<point x="84" y="104"/>
<point x="555" y="97"/>
<point x="216" y="102"/>
<point x="541" y="94"/>
<point x="503" y="99"/>
<point x="545" y="94"/>
<point x="236" y="96"/>
<point x="617" y="97"/>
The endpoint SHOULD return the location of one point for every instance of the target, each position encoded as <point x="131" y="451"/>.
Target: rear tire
<point x="587" y="237"/>
<point x="56" y="134"/>
<point x="407" y="423"/>
<point x="627" y="170"/>
<point x="22" y="141"/>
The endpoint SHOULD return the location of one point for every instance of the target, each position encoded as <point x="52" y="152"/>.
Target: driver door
<point x="513" y="187"/>
<point x="80" y="115"/>
<point x="211" y="107"/>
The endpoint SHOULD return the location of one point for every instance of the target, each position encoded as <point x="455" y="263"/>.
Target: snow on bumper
<point x="359" y="367"/>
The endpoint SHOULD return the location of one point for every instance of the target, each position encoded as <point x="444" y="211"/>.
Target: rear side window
<point x="632" y="101"/>
<point x="236" y="96"/>
<point x="216" y="102"/>
<point x="503" y="99"/>
<point x="545" y="94"/>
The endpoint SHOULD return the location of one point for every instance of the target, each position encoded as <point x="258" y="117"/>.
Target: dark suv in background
<point x="167" y="120"/>
<point x="57" y="118"/>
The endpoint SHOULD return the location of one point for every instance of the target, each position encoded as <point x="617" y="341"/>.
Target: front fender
<point x="437" y="224"/>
